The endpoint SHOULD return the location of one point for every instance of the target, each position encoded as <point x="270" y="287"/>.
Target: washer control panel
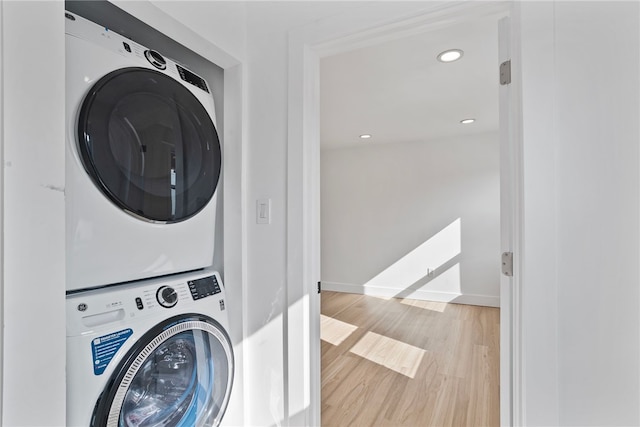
<point x="99" y="308"/>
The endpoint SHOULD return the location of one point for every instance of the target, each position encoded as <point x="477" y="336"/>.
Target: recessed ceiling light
<point x="365" y="136"/>
<point x="450" y="55"/>
<point x="467" y="121"/>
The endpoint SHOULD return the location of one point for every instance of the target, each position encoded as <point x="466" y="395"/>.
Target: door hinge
<point x="319" y="287"/>
<point x="507" y="263"/>
<point x="505" y="73"/>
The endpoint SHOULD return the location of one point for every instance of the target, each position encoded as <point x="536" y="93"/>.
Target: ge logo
<point x="82" y="307"/>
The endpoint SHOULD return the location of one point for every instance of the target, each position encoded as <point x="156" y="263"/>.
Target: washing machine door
<point x="149" y="145"/>
<point x="178" y="374"/>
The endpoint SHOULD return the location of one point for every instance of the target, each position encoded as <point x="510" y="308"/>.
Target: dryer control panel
<point x="82" y="28"/>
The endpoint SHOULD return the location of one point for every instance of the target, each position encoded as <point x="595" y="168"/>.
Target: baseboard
<point x="470" y="299"/>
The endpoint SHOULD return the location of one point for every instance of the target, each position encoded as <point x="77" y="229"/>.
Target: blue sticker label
<point x="105" y="347"/>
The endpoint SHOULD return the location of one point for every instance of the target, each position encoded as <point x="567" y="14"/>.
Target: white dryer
<point x="152" y="353"/>
<point x="143" y="161"/>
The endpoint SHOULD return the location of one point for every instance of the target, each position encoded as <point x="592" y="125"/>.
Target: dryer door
<point x="178" y="374"/>
<point x="149" y="145"/>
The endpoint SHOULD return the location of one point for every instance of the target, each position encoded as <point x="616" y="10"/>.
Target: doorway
<point x="410" y="195"/>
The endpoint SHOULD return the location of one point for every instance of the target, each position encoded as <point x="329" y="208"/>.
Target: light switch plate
<point x="263" y="211"/>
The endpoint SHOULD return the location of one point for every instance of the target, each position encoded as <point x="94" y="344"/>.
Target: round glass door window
<point x="176" y="375"/>
<point x="149" y="145"/>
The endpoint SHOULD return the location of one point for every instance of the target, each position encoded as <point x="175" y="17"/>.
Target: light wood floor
<point x="400" y="362"/>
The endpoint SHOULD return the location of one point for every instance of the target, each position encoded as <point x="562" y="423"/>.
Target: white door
<point x="509" y="183"/>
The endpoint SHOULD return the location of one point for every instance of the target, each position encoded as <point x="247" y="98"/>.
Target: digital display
<point x="194" y="79"/>
<point x="204" y="287"/>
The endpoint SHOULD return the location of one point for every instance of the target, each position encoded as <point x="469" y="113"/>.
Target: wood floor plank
<point x="401" y="362"/>
<point x="334" y="302"/>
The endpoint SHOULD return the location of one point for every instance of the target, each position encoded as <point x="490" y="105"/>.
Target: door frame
<point x="307" y="45"/>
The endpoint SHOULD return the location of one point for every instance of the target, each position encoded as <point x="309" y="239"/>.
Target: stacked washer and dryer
<point x="147" y="340"/>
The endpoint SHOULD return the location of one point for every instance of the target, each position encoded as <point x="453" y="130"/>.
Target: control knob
<point x="167" y="296"/>
<point x="155" y="59"/>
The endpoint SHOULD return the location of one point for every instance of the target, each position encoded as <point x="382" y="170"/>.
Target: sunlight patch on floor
<point x="393" y="354"/>
<point x="334" y="331"/>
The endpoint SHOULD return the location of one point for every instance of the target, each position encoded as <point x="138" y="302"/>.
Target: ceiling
<point x="398" y="91"/>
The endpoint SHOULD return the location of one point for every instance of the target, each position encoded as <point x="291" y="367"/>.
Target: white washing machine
<point x="143" y="161"/>
<point x="151" y="353"/>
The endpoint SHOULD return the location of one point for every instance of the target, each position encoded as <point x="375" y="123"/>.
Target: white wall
<point x="391" y="212"/>
<point x="33" y="276"/>
<point x="598" y="205"/>
<point x="581" y="162"/>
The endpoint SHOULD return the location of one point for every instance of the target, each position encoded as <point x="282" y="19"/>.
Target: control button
<point x="155" y="59"/>
<point x="139" y="303"/>
<point x="126" y="46"/>
<point x="167" y="296"/>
